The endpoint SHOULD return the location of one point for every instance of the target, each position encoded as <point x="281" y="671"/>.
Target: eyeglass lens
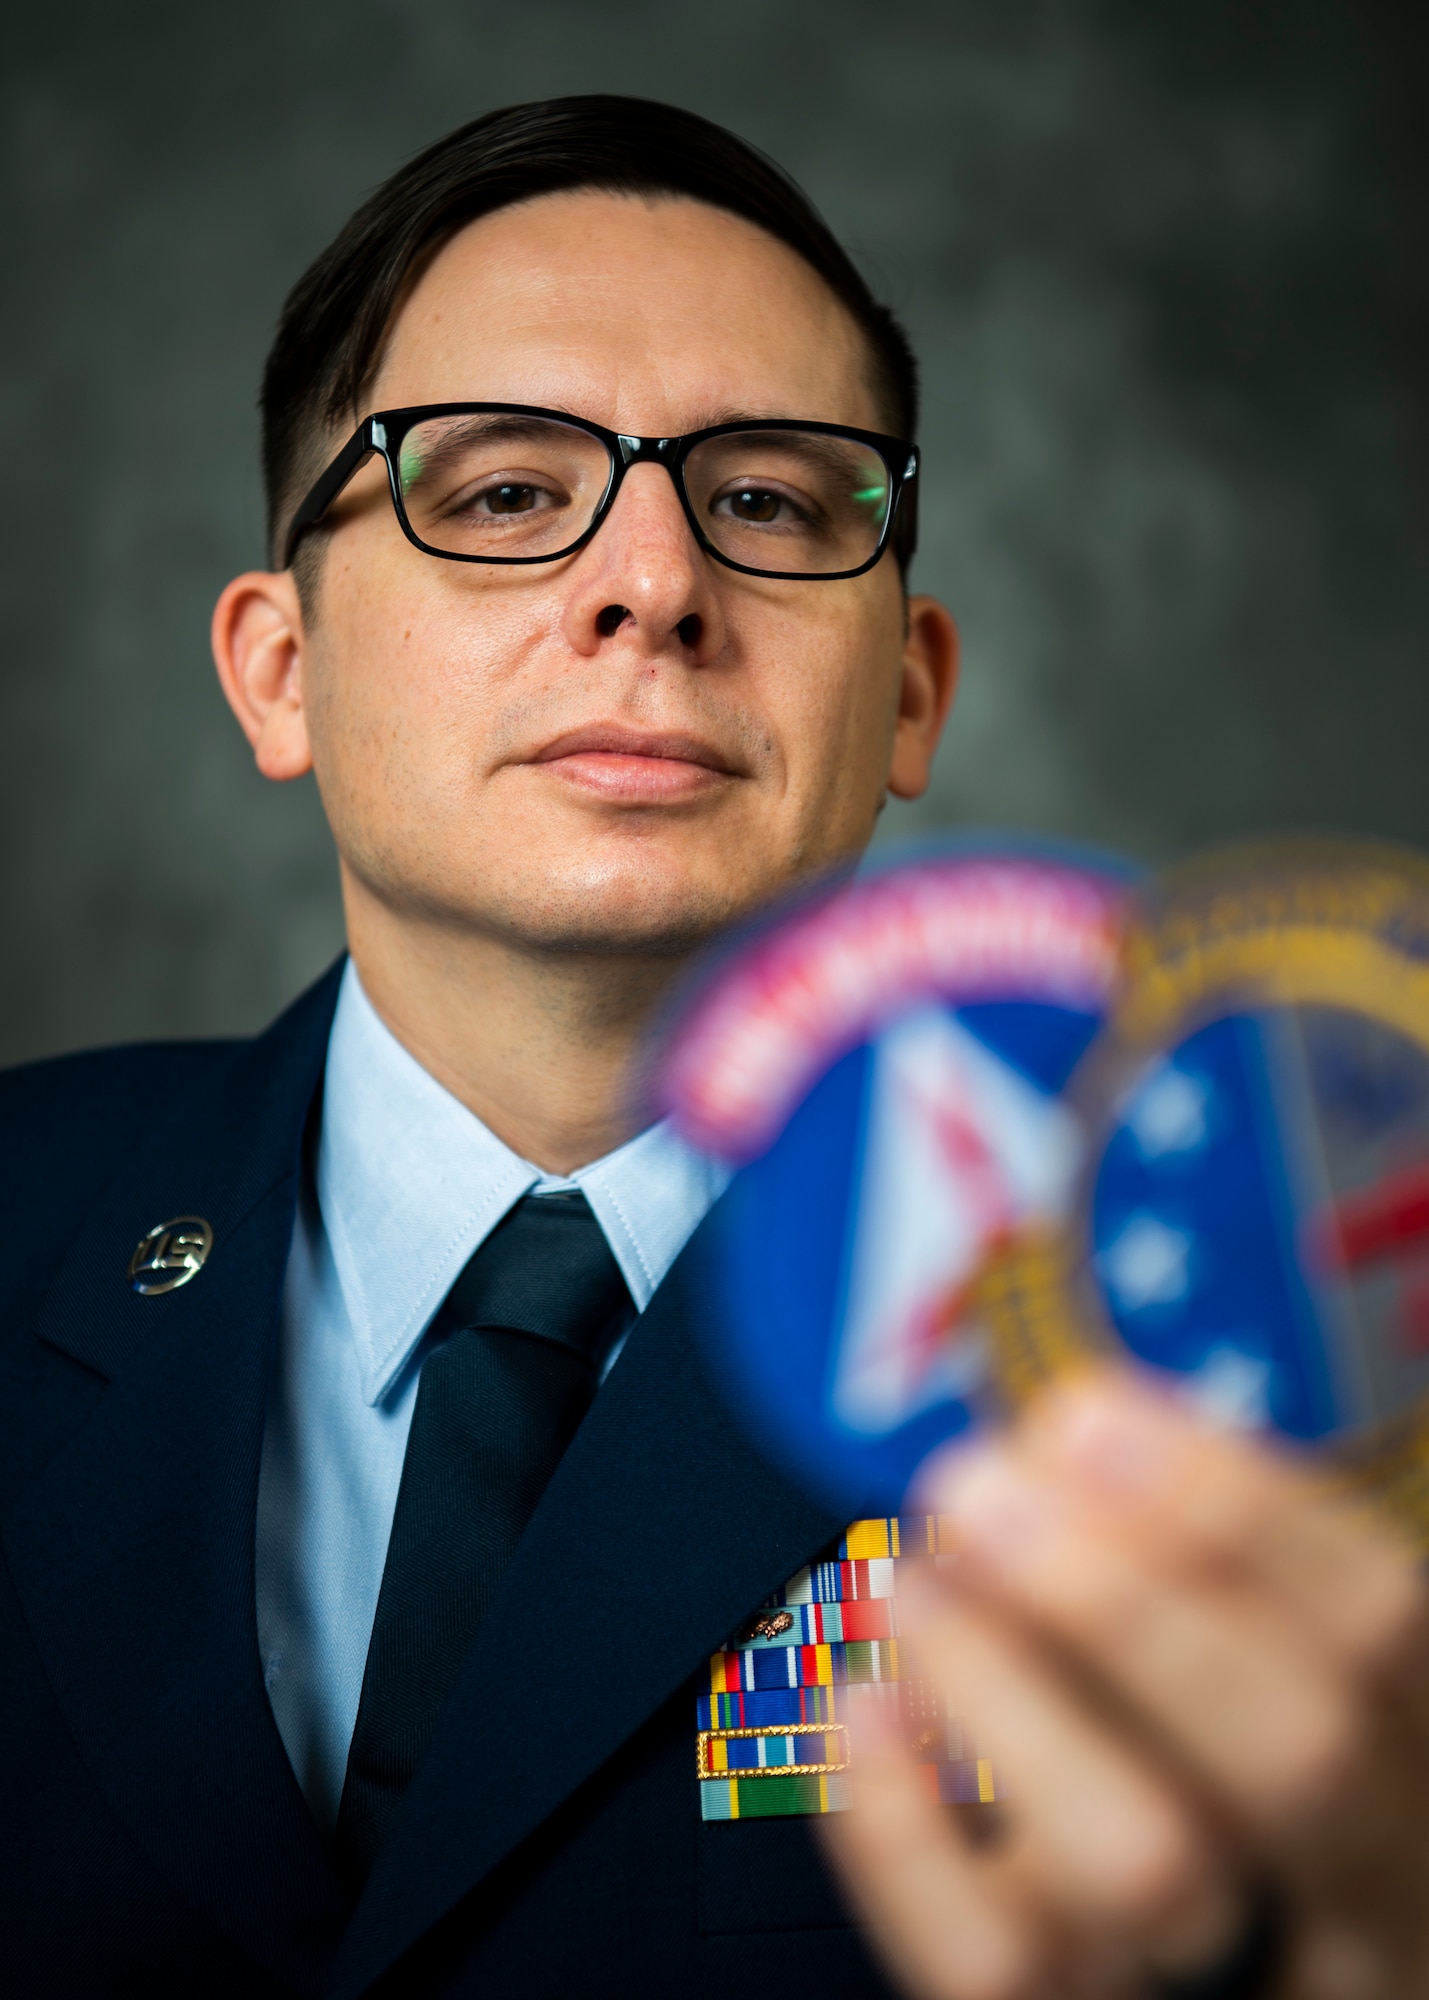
<point x="515" y="486"/>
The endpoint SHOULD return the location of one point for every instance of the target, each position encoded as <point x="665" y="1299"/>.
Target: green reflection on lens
<point x="410" y="467"/>
<point x="871" y="496"/>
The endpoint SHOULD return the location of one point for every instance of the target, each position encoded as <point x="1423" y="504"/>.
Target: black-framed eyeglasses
<point x="507" y="483"/>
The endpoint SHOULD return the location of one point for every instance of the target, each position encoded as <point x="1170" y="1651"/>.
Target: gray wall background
<point x="1166" y="269"/>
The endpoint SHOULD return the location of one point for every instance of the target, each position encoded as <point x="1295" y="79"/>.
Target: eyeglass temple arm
<point x="903" y="532"/>
<point x="320" y="496"/>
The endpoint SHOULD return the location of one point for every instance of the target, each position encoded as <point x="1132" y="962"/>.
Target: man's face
<point x="622" y="750"/>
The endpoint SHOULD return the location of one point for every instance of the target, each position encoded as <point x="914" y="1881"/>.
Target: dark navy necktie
<point x="535" y="1314"/>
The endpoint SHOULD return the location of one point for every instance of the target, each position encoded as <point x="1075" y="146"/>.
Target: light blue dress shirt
<point x="408" y="1183"/>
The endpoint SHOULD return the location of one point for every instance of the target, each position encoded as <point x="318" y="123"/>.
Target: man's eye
<point x="752" y="503"/>
<point x="511" y="499"/>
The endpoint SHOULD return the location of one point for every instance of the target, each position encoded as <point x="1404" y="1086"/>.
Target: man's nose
<point x="644" y="579"/>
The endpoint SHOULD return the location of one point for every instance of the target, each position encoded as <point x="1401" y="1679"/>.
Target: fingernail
<point x="998" y="1511"/>
<point x="1113" y="1434"/>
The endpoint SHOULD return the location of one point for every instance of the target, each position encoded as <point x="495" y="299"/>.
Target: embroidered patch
<point x="883" y="1063"/>
<point x="1254" y="1216"/>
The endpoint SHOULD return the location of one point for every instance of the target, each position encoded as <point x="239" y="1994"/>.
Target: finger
<point x="1329" y="1961"/>
<point x="944" y="1924"/>
<point x="1269" y="1723"/>
<point x="1207" y="1497"/>
<point x="1103" y="1839"/>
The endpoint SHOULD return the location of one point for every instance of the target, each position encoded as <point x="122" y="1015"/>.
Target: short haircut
<point x="336" y="318"/>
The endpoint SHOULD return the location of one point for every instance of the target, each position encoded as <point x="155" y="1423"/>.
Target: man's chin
<point x="664" y="934"/>
<point x="613" y="920"/>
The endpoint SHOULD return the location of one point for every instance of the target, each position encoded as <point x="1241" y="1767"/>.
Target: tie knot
<point x="547" y="1270"/>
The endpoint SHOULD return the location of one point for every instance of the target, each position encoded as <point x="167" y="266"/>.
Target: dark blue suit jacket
<point x="154" y="1838"/>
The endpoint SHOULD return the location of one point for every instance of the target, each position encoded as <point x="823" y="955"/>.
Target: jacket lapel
<point x="659" y="1495"/>
<point x="132" y="1551"/>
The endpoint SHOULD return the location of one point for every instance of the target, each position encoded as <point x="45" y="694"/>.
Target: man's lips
<point x="635" y="766"/>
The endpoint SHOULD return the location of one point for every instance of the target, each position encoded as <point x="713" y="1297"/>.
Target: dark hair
<point x="334" y="320"/>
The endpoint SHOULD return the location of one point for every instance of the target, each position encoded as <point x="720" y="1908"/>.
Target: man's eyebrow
<point x="712" y="419"/>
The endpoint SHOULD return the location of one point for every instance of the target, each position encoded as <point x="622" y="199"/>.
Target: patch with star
<point x="883" y="1063"/>
<point x="1254" y="1217"/>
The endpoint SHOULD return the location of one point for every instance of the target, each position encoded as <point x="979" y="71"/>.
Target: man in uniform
<point x="367" y="1514"/>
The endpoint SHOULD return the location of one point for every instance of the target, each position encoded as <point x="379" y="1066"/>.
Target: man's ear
<point x="930" y="679"/>
<point x="259" y="649"/>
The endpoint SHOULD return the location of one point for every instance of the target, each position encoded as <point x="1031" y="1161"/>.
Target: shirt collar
<point x="410" y="1183"/>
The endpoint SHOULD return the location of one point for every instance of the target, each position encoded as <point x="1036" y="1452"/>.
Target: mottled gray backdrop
<point x="1165" y="265"/>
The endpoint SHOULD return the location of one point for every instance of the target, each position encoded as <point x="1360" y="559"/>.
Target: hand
<point x="1194" y="1670"/>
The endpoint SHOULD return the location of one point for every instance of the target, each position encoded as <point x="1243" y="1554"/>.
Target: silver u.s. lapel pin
<point x="170" y="1254"/>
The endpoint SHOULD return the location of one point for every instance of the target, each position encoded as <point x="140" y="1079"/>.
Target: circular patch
<point x="1255" y="1214"/>
<point x="884" y="1064"/>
